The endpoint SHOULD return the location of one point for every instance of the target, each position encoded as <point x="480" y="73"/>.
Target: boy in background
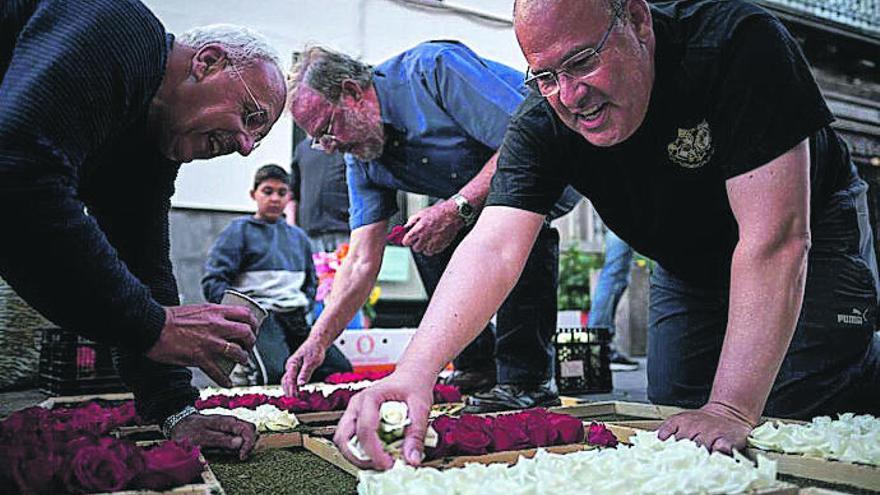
<point x="270" y="261"/>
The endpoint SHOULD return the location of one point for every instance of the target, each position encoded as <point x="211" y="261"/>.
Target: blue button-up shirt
<point x="445" y="111"/>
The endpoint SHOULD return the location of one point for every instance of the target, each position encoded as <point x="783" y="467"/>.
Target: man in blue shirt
<point x="429" y="120"/>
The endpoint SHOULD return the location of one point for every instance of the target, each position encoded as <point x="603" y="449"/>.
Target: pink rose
<point x="599" y="435"/>
<point x="168" y="465"/>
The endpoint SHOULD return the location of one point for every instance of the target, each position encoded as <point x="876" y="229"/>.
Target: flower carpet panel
<point x="648" y="466"/>
<point x="205" y="484"/>
<point x="843" y="451"/>
<point x="500" y="438"/>
<point x="811" y="447"/>
<point x="71" y="450"/>
<point x="618" y="411"/>
<point x="136" y="431"/>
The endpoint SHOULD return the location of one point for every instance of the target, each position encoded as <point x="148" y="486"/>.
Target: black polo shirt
<point x="732" y="92"/>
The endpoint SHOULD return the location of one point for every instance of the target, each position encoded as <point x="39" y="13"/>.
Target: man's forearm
<point x="351" y="287"/>
<point x="766" y="293"/>
<point x="476" y="190"/>
<point x="464" y="301"/>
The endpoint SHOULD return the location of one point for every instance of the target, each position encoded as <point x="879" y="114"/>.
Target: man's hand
<point x="716" y="426"/>
<point x="361" y="418"/>
<point x="200" y="334"/>
<point x="431" y="230"/>
<point x="223" y="433"/>
<point x="301" y="365"/>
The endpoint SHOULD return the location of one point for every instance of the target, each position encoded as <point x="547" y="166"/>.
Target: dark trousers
<point x="833" y="362"/>
<point x="281" y="335"/>
<point x="521" y="344"/>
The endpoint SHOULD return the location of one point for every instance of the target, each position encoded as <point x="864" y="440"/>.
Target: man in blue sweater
<point x="270" y="261"/>
<point x="99" y="108"/>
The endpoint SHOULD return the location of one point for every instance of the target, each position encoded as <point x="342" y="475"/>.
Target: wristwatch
<point x="465" y="210"/>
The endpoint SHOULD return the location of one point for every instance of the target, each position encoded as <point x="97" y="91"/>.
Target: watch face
<point x="466" y="209"/>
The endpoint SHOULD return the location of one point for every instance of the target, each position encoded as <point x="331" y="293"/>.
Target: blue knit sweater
<point x="84" y="192"/>
<point x="271" y="262"/>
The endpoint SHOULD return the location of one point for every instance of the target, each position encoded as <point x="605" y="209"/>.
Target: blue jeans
<point x="612" y="282"/>
<point x="833" y="362"/>
<point x="521" y="344"/>
<point x="281" y="334"/>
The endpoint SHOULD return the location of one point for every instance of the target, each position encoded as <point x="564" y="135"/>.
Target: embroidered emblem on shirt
<point x="856" y="318"/>
<point x="693" y="147"/>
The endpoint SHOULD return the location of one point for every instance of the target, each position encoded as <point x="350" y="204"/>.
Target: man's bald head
<point x="603" y="95"/>
<point x="526" y="9"/>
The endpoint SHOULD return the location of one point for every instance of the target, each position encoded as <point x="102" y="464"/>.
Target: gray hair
<point x="243" y="45"/>
<point x="324" y="71"/>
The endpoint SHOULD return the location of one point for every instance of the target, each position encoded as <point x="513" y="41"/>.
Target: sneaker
<point x="251" y="373"/>
<point x="504" y="397"/>
<point x="622" y="362"/>
<point x="472" y="381"/>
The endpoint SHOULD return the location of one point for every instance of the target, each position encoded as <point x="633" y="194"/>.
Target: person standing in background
<point x="613" y="280"/>
<point x="319" y="196"/>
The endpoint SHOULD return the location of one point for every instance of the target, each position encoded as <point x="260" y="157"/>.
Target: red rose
<point x="30" y="471"/>
<point x="445" y="443"/>
<point x="248" y="401"/>
<point x="538" y="427"/>
<point x="212" y="402"/>
<point x="292" y="404"/>
<point x="446" y="393"/>
<point x="396" y="235"/>
<point x="471" y="434"/>
<point x="316" y="401"/>
<point x="169" y="465"/>
<point x="343" y="377"/>
<point x="102" y="465"/>
<point x="509" y="433"/>
<point x="567" y="429"/>
<point x="601" y="436"/>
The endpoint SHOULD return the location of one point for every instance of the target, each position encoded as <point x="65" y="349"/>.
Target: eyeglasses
<point x="255" y="120"/>
<point x="582" y="64"/>
<point x="323" y="140"/>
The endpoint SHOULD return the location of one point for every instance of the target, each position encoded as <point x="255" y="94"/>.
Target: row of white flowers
<point x="850" y="438"/>
<point x="648" y="466"/>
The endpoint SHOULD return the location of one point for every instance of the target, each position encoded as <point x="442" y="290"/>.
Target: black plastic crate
<point x="73" y="365"/>
<point x="583" y="360"/>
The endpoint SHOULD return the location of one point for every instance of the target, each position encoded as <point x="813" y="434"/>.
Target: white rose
<point x="393" y="416"/>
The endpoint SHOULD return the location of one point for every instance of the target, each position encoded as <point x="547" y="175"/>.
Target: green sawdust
<point x="282" y="471"/>
<point x="803" y="482"/>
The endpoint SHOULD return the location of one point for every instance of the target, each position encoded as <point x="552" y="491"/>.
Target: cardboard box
<point x="374" y="349"/>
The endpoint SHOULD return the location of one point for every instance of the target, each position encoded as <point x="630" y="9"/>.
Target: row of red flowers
<point x="442" y="393"/>
<point x="356" y="376"/>
<point x="306" y="401"/>
<point x="63" y="451"/>
<point x="477" y="435"/>
<point x="39" y="425"/>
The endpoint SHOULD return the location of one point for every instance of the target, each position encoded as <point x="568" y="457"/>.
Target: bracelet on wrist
<point x="175" y="418"/>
